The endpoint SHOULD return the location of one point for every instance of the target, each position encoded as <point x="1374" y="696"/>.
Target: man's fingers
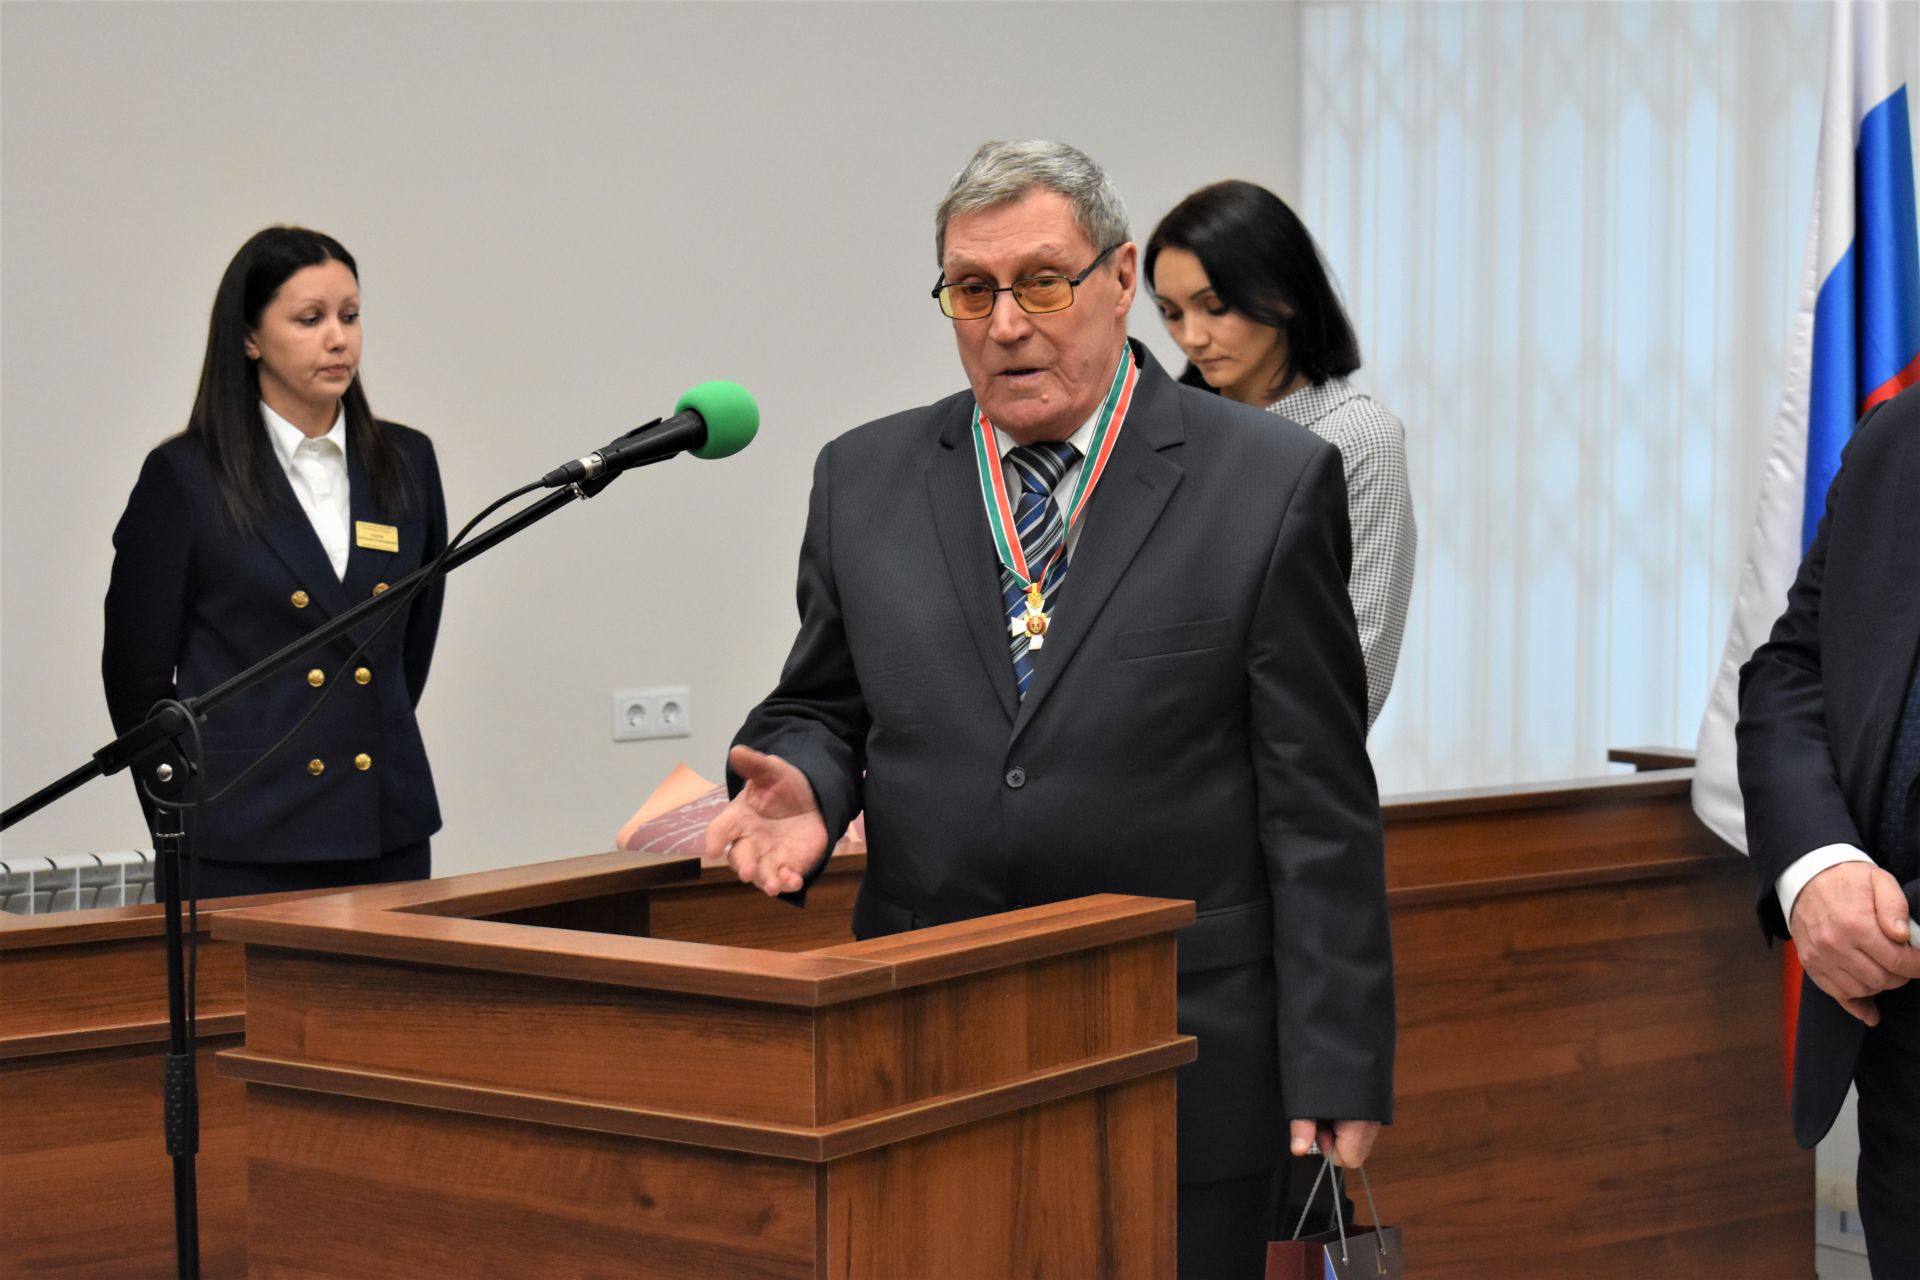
<point x="778" y="874"/>
<point x="774" y="787"/>
<point x="1890" y="908"/>
<point x="1850" y="973"/>
<point x="764" y="863"/>
<point x="1352" y="1141"/>
<point x="1853" y="935"/>
<point x="743" y="855"/>
<point x="762" y="773"/>
<point x="747" y="762"/>
<point x="722" y="831"/>
<point x="1863" y="1008"/>
<point x="1301" y="1136"/>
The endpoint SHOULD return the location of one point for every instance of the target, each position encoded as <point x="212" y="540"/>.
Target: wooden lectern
<point x="505" y="1074"/>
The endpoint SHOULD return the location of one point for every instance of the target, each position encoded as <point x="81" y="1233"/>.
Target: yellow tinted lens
<point x="1044" y="293"/>
<point x="966" y="301"/>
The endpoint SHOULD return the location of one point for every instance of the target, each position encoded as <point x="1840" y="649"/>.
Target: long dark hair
<point x="226" y="408"/>
<point x="1263" y="263"/>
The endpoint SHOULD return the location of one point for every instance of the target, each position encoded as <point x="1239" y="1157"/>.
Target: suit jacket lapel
<point x="290" y="534"/>
<point x="960" y="521"/>
<point x="365" y="566"/>
<point x="1134" y="491"/>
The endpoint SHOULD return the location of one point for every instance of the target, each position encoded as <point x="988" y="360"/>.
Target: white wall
<point x="564" y="215"/>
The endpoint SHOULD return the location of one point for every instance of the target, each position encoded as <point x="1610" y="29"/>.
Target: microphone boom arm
<point x="156" y="732"/>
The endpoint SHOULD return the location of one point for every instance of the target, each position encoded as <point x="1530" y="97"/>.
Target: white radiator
<point x="76" y="881"/>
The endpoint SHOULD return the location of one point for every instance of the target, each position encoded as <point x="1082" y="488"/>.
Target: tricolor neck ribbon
<point x="993" y="481"/>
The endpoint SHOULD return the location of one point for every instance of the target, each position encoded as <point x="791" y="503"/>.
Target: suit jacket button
<point x="316" y="766"/>
<point x="316" y="677"/>
<point x="378" y="587"/>
<point x="1016" y="777"/>
<point x="362" y="676"/>
<point x="363" y="762"/>
<point x="299" y="599"/>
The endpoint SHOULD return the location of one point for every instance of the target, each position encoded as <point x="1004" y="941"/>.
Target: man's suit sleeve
<point x="816" y="717"/>
<point x="1792" y="793"/>
<point x="1320" y="815"/>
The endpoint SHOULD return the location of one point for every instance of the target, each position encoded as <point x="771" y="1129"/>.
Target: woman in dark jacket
<point x="284" y="503"/>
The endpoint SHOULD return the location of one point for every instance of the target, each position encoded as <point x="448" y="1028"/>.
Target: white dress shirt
<point x="1790" y="882"/>
<point x="316" y="466"/>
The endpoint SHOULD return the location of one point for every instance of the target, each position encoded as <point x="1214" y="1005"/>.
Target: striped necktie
<point x="1041" y="530"/>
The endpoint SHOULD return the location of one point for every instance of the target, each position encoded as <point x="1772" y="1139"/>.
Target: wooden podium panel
<point x="1590" y="1071"/>
<point x="86" y="1187"/>
<point x="1589" y="1068"/>
<point x="438" y="1088"/>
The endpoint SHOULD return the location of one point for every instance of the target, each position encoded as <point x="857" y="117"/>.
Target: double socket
<point x="652" y="713"/>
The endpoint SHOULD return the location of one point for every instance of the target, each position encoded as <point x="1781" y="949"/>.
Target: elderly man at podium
<point x="1079" y="629"/>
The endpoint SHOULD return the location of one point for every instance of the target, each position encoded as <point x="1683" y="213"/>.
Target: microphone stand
<point x="155" y="741"/>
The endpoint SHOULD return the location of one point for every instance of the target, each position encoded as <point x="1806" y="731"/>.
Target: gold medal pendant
<point x="1033" y="627"/>
<point x="1036" y="629"/>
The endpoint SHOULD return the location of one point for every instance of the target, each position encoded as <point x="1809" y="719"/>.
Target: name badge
<point x="375" y="537"/>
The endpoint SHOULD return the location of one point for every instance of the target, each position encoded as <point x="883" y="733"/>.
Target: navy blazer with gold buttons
<point x="192" y="602"/>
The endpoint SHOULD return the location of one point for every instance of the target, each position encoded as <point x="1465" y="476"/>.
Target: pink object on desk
<point x="673" y="820"/>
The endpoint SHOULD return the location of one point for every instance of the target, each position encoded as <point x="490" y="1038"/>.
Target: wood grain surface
<point x="1589" y="1070"/>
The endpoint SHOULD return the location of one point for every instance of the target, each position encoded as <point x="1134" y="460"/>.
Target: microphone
<point x="712" y="420"/>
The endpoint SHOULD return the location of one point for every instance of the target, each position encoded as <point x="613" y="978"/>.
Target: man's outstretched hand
<point x="772" y="832"/>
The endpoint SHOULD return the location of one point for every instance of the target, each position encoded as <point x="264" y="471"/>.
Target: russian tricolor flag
<point x="1856" y="342"/>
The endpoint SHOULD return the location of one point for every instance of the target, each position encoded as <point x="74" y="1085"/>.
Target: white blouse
<point x="317" y="468"/>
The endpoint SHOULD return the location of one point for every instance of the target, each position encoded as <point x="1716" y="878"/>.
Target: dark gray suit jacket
<point x="1819" y="703"/>
<point x="1195" y="729"/>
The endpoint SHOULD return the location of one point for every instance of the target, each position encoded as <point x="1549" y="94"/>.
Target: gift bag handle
<point x="1372" y="1212"/>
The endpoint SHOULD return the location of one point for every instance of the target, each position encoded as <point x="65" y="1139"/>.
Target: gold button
<point x="316" y="677"/>
<point x="363" y="762"/>
<point x="378" y="587"/>
<point x="316" y="766"/>
<point x="299" y="599"/>
<point x="362" y="676"/>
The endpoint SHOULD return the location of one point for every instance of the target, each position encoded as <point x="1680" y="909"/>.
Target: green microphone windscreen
<point x="731" y="416"/>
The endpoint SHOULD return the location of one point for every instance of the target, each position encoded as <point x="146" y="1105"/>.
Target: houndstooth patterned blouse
<point x="1373" y="454"/>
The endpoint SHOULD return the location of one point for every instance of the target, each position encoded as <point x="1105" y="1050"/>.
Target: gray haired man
<point x="1078" y="629"/>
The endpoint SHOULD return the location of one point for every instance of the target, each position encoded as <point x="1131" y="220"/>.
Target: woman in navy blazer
<point x="284" y="503"/>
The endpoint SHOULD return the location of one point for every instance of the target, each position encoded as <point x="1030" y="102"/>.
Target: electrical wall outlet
<point x="652" y="713"/>
<point x="676" y="713"/>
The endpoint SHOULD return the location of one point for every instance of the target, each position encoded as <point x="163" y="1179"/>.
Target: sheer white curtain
<point x="1568" y="235"/>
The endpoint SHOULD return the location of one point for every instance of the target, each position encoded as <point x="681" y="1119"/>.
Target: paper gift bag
<point x="1343" y="1252"/>
<point x="1362" y="1253"/>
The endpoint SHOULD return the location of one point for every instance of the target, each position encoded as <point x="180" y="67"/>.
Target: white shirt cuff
<point x="1791" y="881"/>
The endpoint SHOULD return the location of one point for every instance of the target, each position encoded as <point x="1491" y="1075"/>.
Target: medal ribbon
<point x="993" y="482"/>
